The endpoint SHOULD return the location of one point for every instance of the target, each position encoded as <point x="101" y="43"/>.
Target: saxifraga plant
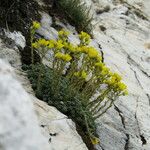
<point x="76" y="75"/>
<point x="78" y="13"/>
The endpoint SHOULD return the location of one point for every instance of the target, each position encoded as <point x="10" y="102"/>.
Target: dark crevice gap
<point x="143" y="140"/>
<point x="102" y="53"/>
<point x="121" y="115"/>
<point x="137" y="65"/>
<point x="148" y="96"/>
<point x="126" y="147"/>
<point x="102" y="147"/>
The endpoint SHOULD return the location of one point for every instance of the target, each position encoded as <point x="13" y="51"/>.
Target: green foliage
<point x="73" y="79"/>
<point x="77" y="13"/>
<point x="66" y="100"/>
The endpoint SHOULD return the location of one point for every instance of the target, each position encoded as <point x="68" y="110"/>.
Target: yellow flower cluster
<point x="40" y="43"/>
<point x="70" y="47"/>
<point x="84" y="38"/>
<point x="64" y="57"/>
<point x="65" y="50"/>
<point x="113" y="80"/>
<point x="57" y="44"/>
<point x="115" y="83"/>
<point x="90" y="51"/>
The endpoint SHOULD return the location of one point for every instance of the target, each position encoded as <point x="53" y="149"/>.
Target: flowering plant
<point x="82" y="68"/>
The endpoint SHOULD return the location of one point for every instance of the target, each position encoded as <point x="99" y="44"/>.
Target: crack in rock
<point x="148" y="96"/>
<point x="135" y="73"/>
<point x="129" y="59"/>
<point x="126" y="147"/>
<point x="102" y="53"/>
<point x="121" y="115"/>
<point x="144" y="142"/>
<point x="137" y="65"/>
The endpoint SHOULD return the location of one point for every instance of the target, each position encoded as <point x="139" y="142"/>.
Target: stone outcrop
<point x="126" y="126"/>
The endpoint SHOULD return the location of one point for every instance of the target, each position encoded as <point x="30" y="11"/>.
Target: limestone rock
<point x="57" y="128"/>
<point x="126" y="125"/>
<point x="19" y="128"/>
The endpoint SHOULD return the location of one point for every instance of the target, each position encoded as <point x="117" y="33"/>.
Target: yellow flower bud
<point x="67" y="57"/>
<point x="36" y="25"/>
<point x="83" y="74"/>
<point x="59" y="55"/>
<point x="35" y="45"/>
<point x="95" y="140"/>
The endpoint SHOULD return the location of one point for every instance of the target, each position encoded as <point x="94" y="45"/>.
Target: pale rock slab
<point x="57" y="128"/>
<point x="126" y="125"/>
<point x="19" y="128"/>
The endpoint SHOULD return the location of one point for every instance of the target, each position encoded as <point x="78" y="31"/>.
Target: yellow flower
<point x="62" y="34"/>
<point x="36" y="25"/>
<point x="84" y="35"/>
<point x="51" y="44"/>
<point x="59" y="55"/>
<point x="83" y="49"/>
<point x="85" y="38"/>
<point x="95" y="140"/>
<point x="43" y="42"/>
<point x="116" y="77"/>
<point x="59" y="45"/>
<point x="67" y="57"/>
<point x="70" y="47"/>
<point x="125" y="92"/>
<point x="99" y="64"/>
<point x="121" y="86"/>
<point x="35" y="45"/>
<point x="99" y="58"/>
<point x="92" y="52"/>
<point x="83" y="74"/>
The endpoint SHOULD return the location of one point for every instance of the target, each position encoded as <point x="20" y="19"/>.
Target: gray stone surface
<point x="126" y="125"/>
<point x="57" y="128"/>
<point x="19" y="128"/>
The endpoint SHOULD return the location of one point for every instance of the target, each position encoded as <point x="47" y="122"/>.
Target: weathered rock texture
<point x="124" y="43"/>
<point x="19" y="128"/>
<point x="57" y="128"/>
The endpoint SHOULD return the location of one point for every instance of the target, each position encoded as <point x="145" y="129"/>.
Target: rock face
<point x="57" y="128"/>
<point x="19" y="128"/>
<point x="124" y="43"/>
